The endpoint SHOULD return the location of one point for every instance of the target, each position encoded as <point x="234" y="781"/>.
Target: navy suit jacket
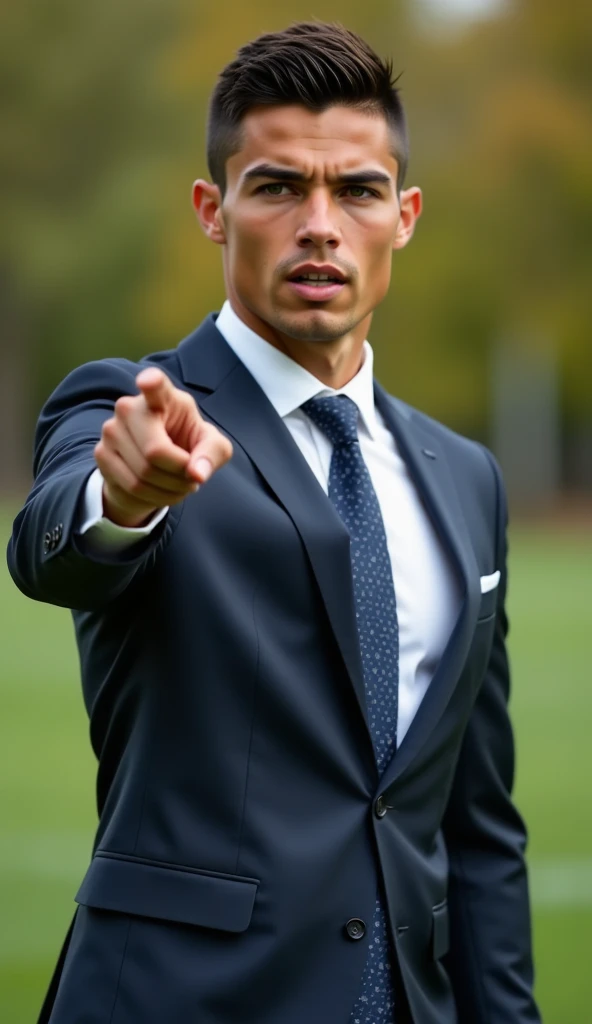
<point x="239" y="826"/>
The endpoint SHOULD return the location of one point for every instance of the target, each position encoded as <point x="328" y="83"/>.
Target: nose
<point x="317" y="227"/>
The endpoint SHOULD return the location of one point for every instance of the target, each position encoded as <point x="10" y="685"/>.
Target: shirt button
<point x="355" y="929"/>
<point x="380" y="807"/>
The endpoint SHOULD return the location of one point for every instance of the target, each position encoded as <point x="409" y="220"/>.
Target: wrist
<point x="126" y="515"/>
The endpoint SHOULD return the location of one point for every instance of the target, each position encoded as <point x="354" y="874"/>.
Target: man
<point x="288" y="591"/>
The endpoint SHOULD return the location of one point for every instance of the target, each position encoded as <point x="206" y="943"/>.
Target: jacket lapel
<point x="237" y="404"/>
<point x="233" y="400"/>
<point x="427" y="464"/>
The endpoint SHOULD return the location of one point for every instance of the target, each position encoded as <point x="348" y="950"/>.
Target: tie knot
<point x="337" y="417"/>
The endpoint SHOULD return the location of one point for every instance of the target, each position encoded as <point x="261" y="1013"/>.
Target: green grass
<point x="47" y="774"/>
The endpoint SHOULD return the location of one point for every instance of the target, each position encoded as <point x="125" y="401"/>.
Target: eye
<point x="360" y="192"/>
<point x="273" y="189"/>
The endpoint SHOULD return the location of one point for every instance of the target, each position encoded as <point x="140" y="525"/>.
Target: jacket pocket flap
<point x="187" y="895"/>
<point x="440" y="930"/>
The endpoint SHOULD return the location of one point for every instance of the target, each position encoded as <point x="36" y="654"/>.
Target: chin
<point x="315" y="324"/>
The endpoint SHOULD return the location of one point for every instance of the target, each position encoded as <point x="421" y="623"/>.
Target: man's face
<point x="311" y="194"/>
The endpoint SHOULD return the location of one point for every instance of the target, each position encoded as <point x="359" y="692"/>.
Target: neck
<point x="334" y="363"/>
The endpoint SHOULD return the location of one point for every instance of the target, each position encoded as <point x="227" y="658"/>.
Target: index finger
<point x="156" y="388"/>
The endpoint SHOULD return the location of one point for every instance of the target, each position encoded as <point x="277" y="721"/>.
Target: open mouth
<point x="316" y="289"/>
<point x="316" y="280"/>
<point x="317" y="283"/>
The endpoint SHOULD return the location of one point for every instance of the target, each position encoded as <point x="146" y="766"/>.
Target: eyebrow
<point x="363" y="177"/>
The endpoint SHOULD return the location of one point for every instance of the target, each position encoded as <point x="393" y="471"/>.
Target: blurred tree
<point x="501" y="119"/>
<point x="86" y="132"/>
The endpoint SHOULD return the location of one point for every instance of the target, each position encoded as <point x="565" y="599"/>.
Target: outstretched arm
<point x="153" y="449"/>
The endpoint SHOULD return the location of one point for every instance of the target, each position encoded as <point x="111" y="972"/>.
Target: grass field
<point x="46" y="774"/>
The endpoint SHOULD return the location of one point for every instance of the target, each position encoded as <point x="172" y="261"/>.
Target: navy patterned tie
<point x="352" y="493"/>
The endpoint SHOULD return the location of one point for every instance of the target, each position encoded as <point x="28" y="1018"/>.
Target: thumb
<point x="211" y="452"/>
<point x="156" y="388"/>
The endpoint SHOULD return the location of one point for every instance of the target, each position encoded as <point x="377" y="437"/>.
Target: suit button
<point x="47" y="543"/>
<point x="380" y="807"/>
<point x="355" y="929"/>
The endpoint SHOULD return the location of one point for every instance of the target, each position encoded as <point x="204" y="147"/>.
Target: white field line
<point x="562" y="884"/>
<point x="55" y="856"/>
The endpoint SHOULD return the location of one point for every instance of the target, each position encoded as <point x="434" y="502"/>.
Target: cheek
<point x="252" y="248"/>
<point x="379" y="255"/>
<point x="373" y="239"/>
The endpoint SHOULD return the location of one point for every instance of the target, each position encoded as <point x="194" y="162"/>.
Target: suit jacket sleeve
<point x="490" y="959"/>
<point x="47" y="558"/>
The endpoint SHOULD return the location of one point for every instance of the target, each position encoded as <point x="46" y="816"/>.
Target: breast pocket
<point x="488" y="604"/>
<point x="489" y="584"/>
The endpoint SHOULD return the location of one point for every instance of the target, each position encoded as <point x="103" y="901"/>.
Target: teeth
<point x="316" y="278"/>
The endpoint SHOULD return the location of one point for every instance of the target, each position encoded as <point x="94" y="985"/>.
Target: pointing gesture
<point x="155" y="450"/>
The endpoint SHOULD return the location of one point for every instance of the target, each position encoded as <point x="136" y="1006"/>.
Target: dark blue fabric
<point x="222" y="676"/>
<point x="352" y="493"/>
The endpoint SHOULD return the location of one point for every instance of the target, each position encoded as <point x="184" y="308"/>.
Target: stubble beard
<point x="315" y="326"/>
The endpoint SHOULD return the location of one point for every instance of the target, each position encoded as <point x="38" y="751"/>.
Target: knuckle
<point x="135" y="487"/>
<point x="109" y="429"/>
<point x="124" y="405"/>
<point x="152" y="451"/>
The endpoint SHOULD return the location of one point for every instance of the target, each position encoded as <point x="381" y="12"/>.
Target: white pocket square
<point x="489" y="582"/>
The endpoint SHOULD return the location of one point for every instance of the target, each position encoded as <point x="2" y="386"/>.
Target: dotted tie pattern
<point x="352" y="493"/>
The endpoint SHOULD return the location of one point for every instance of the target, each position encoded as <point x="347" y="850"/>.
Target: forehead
<point x="337" y="139"/>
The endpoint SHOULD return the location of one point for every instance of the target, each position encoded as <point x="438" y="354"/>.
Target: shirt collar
<point x="287" y="384"/>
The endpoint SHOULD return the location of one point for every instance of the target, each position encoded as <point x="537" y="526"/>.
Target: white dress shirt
<point x="427" y="594"/>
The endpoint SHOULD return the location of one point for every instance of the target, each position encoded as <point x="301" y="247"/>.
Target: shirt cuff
<point x="99" y="531"/>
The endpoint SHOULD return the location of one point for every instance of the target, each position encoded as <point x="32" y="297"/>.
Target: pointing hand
<point x="155" y="450"/>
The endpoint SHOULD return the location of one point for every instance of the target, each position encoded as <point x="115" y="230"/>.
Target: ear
<point x="410" y="202"/>
<point x="207" y="203"/>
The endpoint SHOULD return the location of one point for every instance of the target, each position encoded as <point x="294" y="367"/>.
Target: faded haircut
<point x="314" y="64"/>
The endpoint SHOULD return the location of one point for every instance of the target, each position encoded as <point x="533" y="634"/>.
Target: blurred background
<point x="487" y="327"/>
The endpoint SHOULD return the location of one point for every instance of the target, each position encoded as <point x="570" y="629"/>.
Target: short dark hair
<point x="315" y="64"/>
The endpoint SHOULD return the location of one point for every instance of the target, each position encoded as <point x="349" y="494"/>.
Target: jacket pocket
<point x="132" y="885"/>
<point x="440" y="930"/>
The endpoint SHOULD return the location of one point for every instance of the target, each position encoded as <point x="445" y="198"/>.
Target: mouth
<point x="317" y="284"/>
